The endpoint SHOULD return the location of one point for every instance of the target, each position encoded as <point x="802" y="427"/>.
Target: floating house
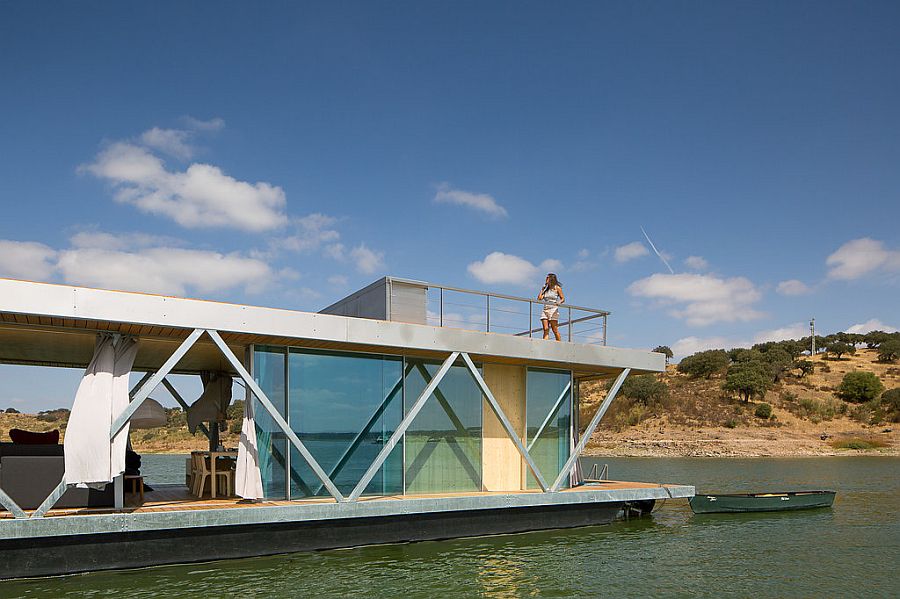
<point x="407" y="411"/>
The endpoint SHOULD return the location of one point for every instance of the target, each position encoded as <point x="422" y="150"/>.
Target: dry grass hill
<point x="698" y="418"/>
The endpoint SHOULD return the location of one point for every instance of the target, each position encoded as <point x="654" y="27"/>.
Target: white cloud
<point x="169" y="141"/>
<point x="860" y="257"/>
<point x="481" y="202"/>
<point x="497" y="268"/>
<point x="213" y="124"/>
<point x="583" y="254"/>
<point x="367" y="261"/>
<point x="199" y="197"/>
<point x="338" y="280"/>
<point x="872" y="325"/>
<point x="633" y="250"/>
<point x="696" y="263"/>
<point x="797" y="330"/>
<point x="26" y="260"/>
<point x="119" y="241"/>
<point x="312" y="231"/>
<point x="163" y="270"/>
<point x="704" y="299"/>
<point x="792" y="287"/>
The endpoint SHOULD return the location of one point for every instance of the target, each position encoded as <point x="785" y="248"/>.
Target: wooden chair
<point x="201" y="471"/>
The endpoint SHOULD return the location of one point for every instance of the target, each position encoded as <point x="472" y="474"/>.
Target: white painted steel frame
<point x="582" y="443"/>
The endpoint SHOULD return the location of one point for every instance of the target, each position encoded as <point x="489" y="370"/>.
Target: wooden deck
<point x="171" y="498"/>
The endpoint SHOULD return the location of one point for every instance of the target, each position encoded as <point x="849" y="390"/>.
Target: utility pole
<point x="812" y="337"/>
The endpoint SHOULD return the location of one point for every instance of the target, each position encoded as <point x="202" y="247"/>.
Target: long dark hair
<point x="553" y="281"/>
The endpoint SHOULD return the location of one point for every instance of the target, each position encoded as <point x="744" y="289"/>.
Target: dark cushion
<point x="26" y="450"/>
<point x="17" y="435"/>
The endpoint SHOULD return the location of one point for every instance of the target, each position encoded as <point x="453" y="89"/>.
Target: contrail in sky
<point x="657" y="251"/>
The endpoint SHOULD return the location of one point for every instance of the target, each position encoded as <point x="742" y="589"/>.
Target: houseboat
<point x="405" y="412"/>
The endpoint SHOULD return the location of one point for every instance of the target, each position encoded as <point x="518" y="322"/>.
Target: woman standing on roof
<point x="552" y="296"/>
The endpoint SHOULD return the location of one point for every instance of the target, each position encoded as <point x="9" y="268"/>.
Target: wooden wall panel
<point x="503" y="466"/>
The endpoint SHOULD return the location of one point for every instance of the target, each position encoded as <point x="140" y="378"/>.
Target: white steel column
<point x="582" y="443"/>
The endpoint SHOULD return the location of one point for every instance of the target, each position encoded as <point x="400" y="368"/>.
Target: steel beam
<point x="510" y="431"/>
<point x="13" y="507"/>
<point x="342" y="461"/>
<point x="154" y="381"/>
<point x="174" y="392"/>
<point x="549" y="417"/>
<point x="404" y="424"/>
<point x="278" y="418"/>
<point x="582" y="443"/>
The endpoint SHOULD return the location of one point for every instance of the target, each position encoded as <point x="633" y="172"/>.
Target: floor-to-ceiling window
<point x="344" y="407"/>
<point x="269" y="372"/>
<point x="548" y="417"/>
<point x="443" y="444"/>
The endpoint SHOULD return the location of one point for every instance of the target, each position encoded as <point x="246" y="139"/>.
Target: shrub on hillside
<point x="748" y="379"/>
<point x="53" y="415"/>
<point x="646" y="389"/>
<point x="763" y="411"/>
<point x="704" y="363"/>
<point x="860" y="386"/>
<point x="890" y="404"/>
<point x="889" y="351"/>
<point x="12" y="411"/>
<point x="817" y="410"/>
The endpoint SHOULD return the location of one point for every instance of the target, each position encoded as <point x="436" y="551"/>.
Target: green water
<point x="852" y="550"/>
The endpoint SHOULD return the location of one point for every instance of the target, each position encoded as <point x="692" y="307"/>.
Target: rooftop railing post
<point x="604" y="329"/>
<point x="530" y="317"/>
<point x="488" y="300"/>
<point x="570" y="325"/>
<point x="441" y="305"/>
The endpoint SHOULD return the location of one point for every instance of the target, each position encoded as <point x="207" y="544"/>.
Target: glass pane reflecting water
<point x="548" y="413"/>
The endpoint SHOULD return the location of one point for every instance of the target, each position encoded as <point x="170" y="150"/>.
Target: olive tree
<point x="748" y="379"/>
<point x="889" y="351"/>
<point x="839" y="348"/>
<point x="704" y="363"/>
<point x="665" y="350"/>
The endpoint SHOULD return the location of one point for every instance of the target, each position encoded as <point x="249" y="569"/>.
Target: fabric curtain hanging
<point x="247" y="476"/>
<point x="212" y="405"/>
<point x="91" y="459"/>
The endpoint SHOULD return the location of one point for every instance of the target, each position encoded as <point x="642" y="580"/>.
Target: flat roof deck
<point x="54" y="325"/>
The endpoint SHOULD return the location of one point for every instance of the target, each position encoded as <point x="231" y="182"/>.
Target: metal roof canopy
<point x="54" y="325"/>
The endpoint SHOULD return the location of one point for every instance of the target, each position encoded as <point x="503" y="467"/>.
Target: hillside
<point x="699" y="419"/>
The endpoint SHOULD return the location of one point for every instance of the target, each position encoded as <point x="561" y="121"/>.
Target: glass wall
<point x="443" y="444"/>
<point x="344" y="407"/>
<point x="548" y="415"/>
<point x="269" y="372"/>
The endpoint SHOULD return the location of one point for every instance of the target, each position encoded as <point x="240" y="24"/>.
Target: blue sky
<point x="287" y="154"/>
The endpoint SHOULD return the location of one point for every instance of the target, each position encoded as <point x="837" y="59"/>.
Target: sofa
<point x="28" y="473"/>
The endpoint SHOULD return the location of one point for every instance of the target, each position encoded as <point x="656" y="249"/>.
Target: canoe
<point x="760" y="502"/>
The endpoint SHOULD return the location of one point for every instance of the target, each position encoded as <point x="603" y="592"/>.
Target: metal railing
<point x="456" y="307"/>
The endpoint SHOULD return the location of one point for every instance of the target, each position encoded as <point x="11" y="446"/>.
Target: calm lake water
<point x="852" y="550"/>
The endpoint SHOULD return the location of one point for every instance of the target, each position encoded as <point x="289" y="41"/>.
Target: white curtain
<point x="91" y="459"/>
<point x="247" y="478"/>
